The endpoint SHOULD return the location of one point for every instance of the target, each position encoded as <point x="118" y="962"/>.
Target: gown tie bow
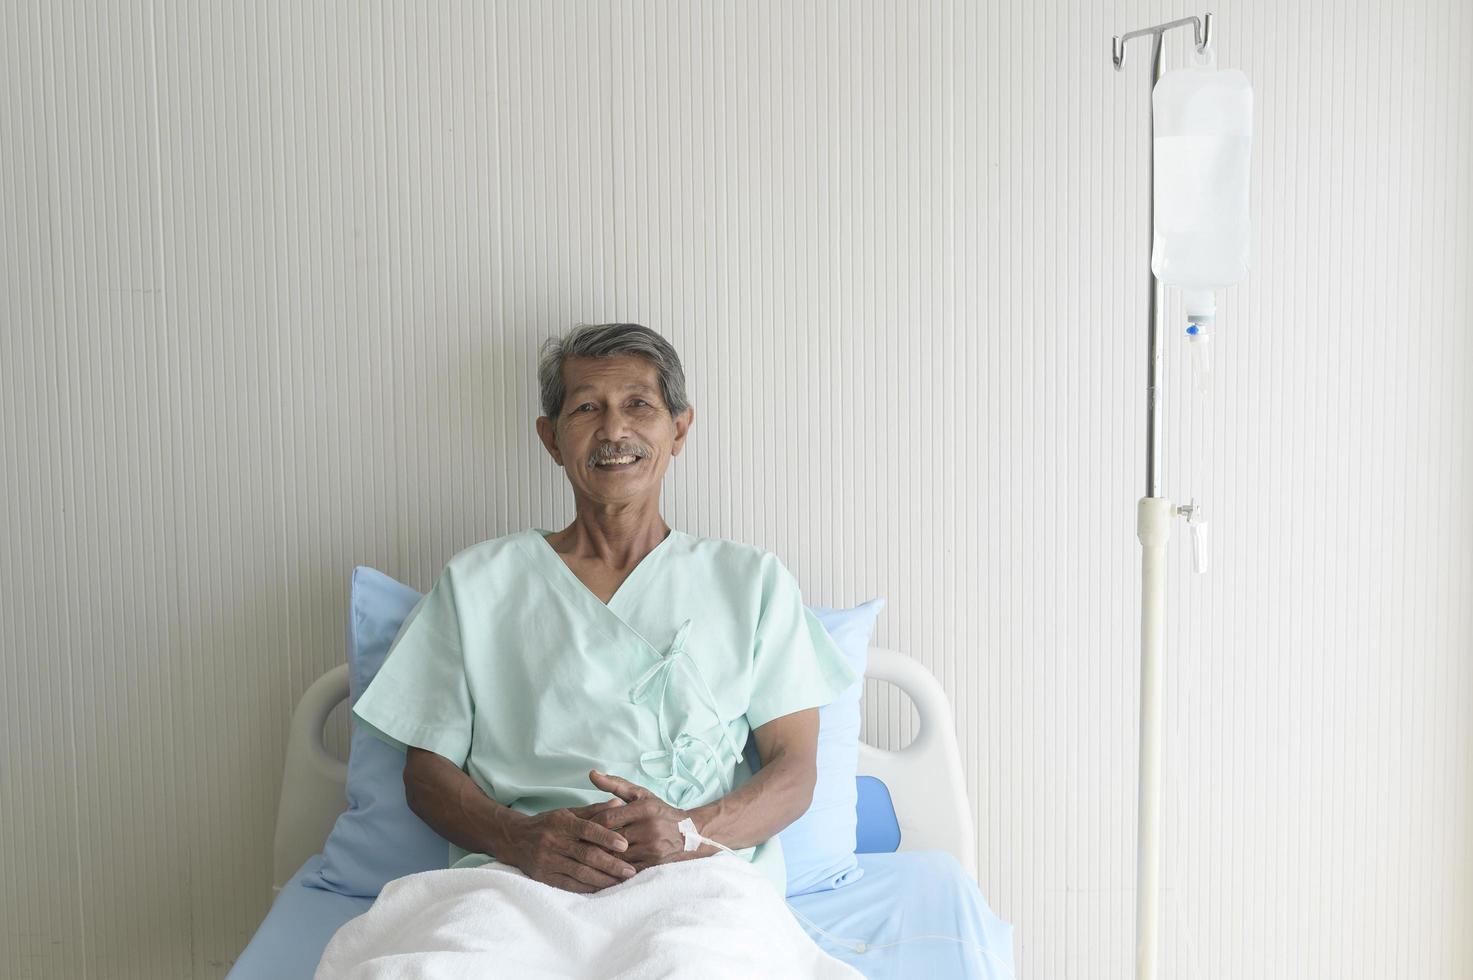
<point x="678" y="761"/>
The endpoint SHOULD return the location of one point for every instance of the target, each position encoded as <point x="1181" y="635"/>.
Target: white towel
<point x="714" y="917"/>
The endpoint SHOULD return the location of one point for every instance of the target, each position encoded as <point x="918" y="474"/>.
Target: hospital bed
<point x="915" y="911"/>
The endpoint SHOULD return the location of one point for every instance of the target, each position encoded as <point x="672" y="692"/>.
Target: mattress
<point x="911" y="914"/>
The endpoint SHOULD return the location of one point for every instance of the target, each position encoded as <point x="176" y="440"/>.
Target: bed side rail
<point x="925" y="779"/>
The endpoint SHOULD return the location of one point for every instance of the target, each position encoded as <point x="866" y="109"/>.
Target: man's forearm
<point x="453" y="806"/>
<point x="777" y="795"/>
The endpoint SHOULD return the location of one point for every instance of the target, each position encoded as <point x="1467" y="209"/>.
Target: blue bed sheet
<point x="901" y="896"/>
<point x="919" y="915"/>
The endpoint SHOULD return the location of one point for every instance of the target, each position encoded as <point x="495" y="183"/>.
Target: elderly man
<point x="567" y="699"/>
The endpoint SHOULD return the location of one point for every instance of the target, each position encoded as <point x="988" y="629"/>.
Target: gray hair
<point x="609" y="340"/>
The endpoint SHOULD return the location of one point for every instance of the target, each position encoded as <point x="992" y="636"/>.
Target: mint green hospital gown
<point x="512" y="669"/>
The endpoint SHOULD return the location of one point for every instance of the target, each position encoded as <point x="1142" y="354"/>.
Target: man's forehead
<point x="636" y="376"/>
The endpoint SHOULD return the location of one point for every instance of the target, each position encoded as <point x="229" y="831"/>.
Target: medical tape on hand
<point x="693" y="838"/>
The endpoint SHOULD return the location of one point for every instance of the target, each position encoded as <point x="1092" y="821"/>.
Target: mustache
<point x="611" y="452"/>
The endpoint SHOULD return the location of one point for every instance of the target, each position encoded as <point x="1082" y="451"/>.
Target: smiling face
<point x="614" y="436"/>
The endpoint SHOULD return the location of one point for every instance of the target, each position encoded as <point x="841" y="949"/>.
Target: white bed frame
<point x="924" y="778"/>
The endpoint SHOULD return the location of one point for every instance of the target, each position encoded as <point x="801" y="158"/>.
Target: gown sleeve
<point x="420" y="696"/>
<point x="795" y="663"/>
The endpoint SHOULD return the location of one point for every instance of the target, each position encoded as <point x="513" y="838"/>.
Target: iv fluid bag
<point x="1203" y="125"/>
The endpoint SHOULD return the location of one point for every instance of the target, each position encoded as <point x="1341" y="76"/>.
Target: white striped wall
<point x="274" y="278"/>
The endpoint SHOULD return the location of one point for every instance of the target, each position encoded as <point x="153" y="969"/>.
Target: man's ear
<point x="547" y="432"/>
<point x="682" y="427"/>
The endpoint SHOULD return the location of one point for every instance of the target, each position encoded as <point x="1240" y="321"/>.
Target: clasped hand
<point x="647" y="823"/>
<point x="588" y="848"/>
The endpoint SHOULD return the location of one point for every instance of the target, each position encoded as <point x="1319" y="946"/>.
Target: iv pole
<point x="1153" y="527"/>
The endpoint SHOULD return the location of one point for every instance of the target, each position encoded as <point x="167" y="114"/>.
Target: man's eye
<point x="585" y="405"/>
<point x="640" y="401"/>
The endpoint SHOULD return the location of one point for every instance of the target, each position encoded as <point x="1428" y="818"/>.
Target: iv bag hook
<point x="1201" y="33"/>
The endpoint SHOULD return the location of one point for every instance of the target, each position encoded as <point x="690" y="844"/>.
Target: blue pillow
<point x="818" y="847"/>
<point x="378" y="838"/>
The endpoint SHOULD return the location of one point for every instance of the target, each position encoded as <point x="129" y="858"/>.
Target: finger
<point x="641" y="857"/>
<point x="627" y="815"/>
<point x="586" y="874"/>
<point x="568" y="884"/>
<point x="591" y="809"/>
<point x="596" y="833"/>
<point x="592" y="813"/>
<point x="596" y="857"/>
<point x="622" y="788"/>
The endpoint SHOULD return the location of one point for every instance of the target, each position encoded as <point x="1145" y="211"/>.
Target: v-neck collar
<point x="539" y="543"/>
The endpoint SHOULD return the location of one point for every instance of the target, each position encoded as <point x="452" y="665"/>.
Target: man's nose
<point x="615" y="426"/>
